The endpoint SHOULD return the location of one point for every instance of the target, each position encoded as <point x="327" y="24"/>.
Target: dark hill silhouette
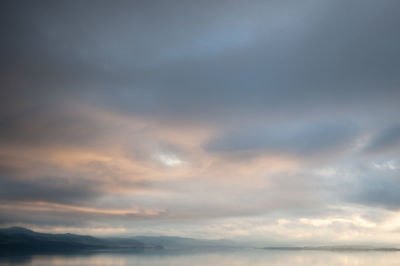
<point x="21" y="239"/>
<point x="18" y="239"/>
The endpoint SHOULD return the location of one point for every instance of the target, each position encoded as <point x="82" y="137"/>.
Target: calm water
<point x="213" y="257"/>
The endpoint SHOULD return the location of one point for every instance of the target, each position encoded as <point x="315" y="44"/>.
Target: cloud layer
<point x="254" y="120"/>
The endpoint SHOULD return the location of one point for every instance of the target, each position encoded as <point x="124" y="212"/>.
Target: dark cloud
<point x="34" y="218"/>
<point x="387" y="139"/>
<point x="191" y="59"/>
<point x="48" y="189"/>
<point x="377" y="188"/>
<point x="306" y="140"/>
<point x="51" y="125"/>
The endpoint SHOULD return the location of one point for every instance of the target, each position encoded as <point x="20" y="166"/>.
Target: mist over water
<point x="235" y="257"/>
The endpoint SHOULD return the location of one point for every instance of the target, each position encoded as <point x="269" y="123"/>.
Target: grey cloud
<point x="51" y="125"/>
<point x="45" y="181"/>
<point x="30" y="218"/>
<point x="202" y="198"/>
<point x="47" y="189"/>
<point x="387" y="139"/>
<point x="378" y="188"/>
<point x="155" y="58"/>
<point x="306" y="140"/>
<point x="54" y="216"/>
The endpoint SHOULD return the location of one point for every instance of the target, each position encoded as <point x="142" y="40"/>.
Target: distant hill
<point x="18" y="239"/>
<point x="183" y="242"/>
<point x="21" y="239"/>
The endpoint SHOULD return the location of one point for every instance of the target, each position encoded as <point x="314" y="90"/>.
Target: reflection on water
<point x="213" y="257"/>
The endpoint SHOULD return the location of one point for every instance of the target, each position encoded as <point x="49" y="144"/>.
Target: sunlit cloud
<point x="168" y="159"/>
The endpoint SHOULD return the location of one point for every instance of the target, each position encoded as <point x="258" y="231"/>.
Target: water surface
<point x="232" y="257"/>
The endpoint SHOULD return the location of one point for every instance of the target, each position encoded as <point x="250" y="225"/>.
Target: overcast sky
<point x="272" y="121"/>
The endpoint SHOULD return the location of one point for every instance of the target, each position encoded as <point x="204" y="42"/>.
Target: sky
<point x="263" y="121"/>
